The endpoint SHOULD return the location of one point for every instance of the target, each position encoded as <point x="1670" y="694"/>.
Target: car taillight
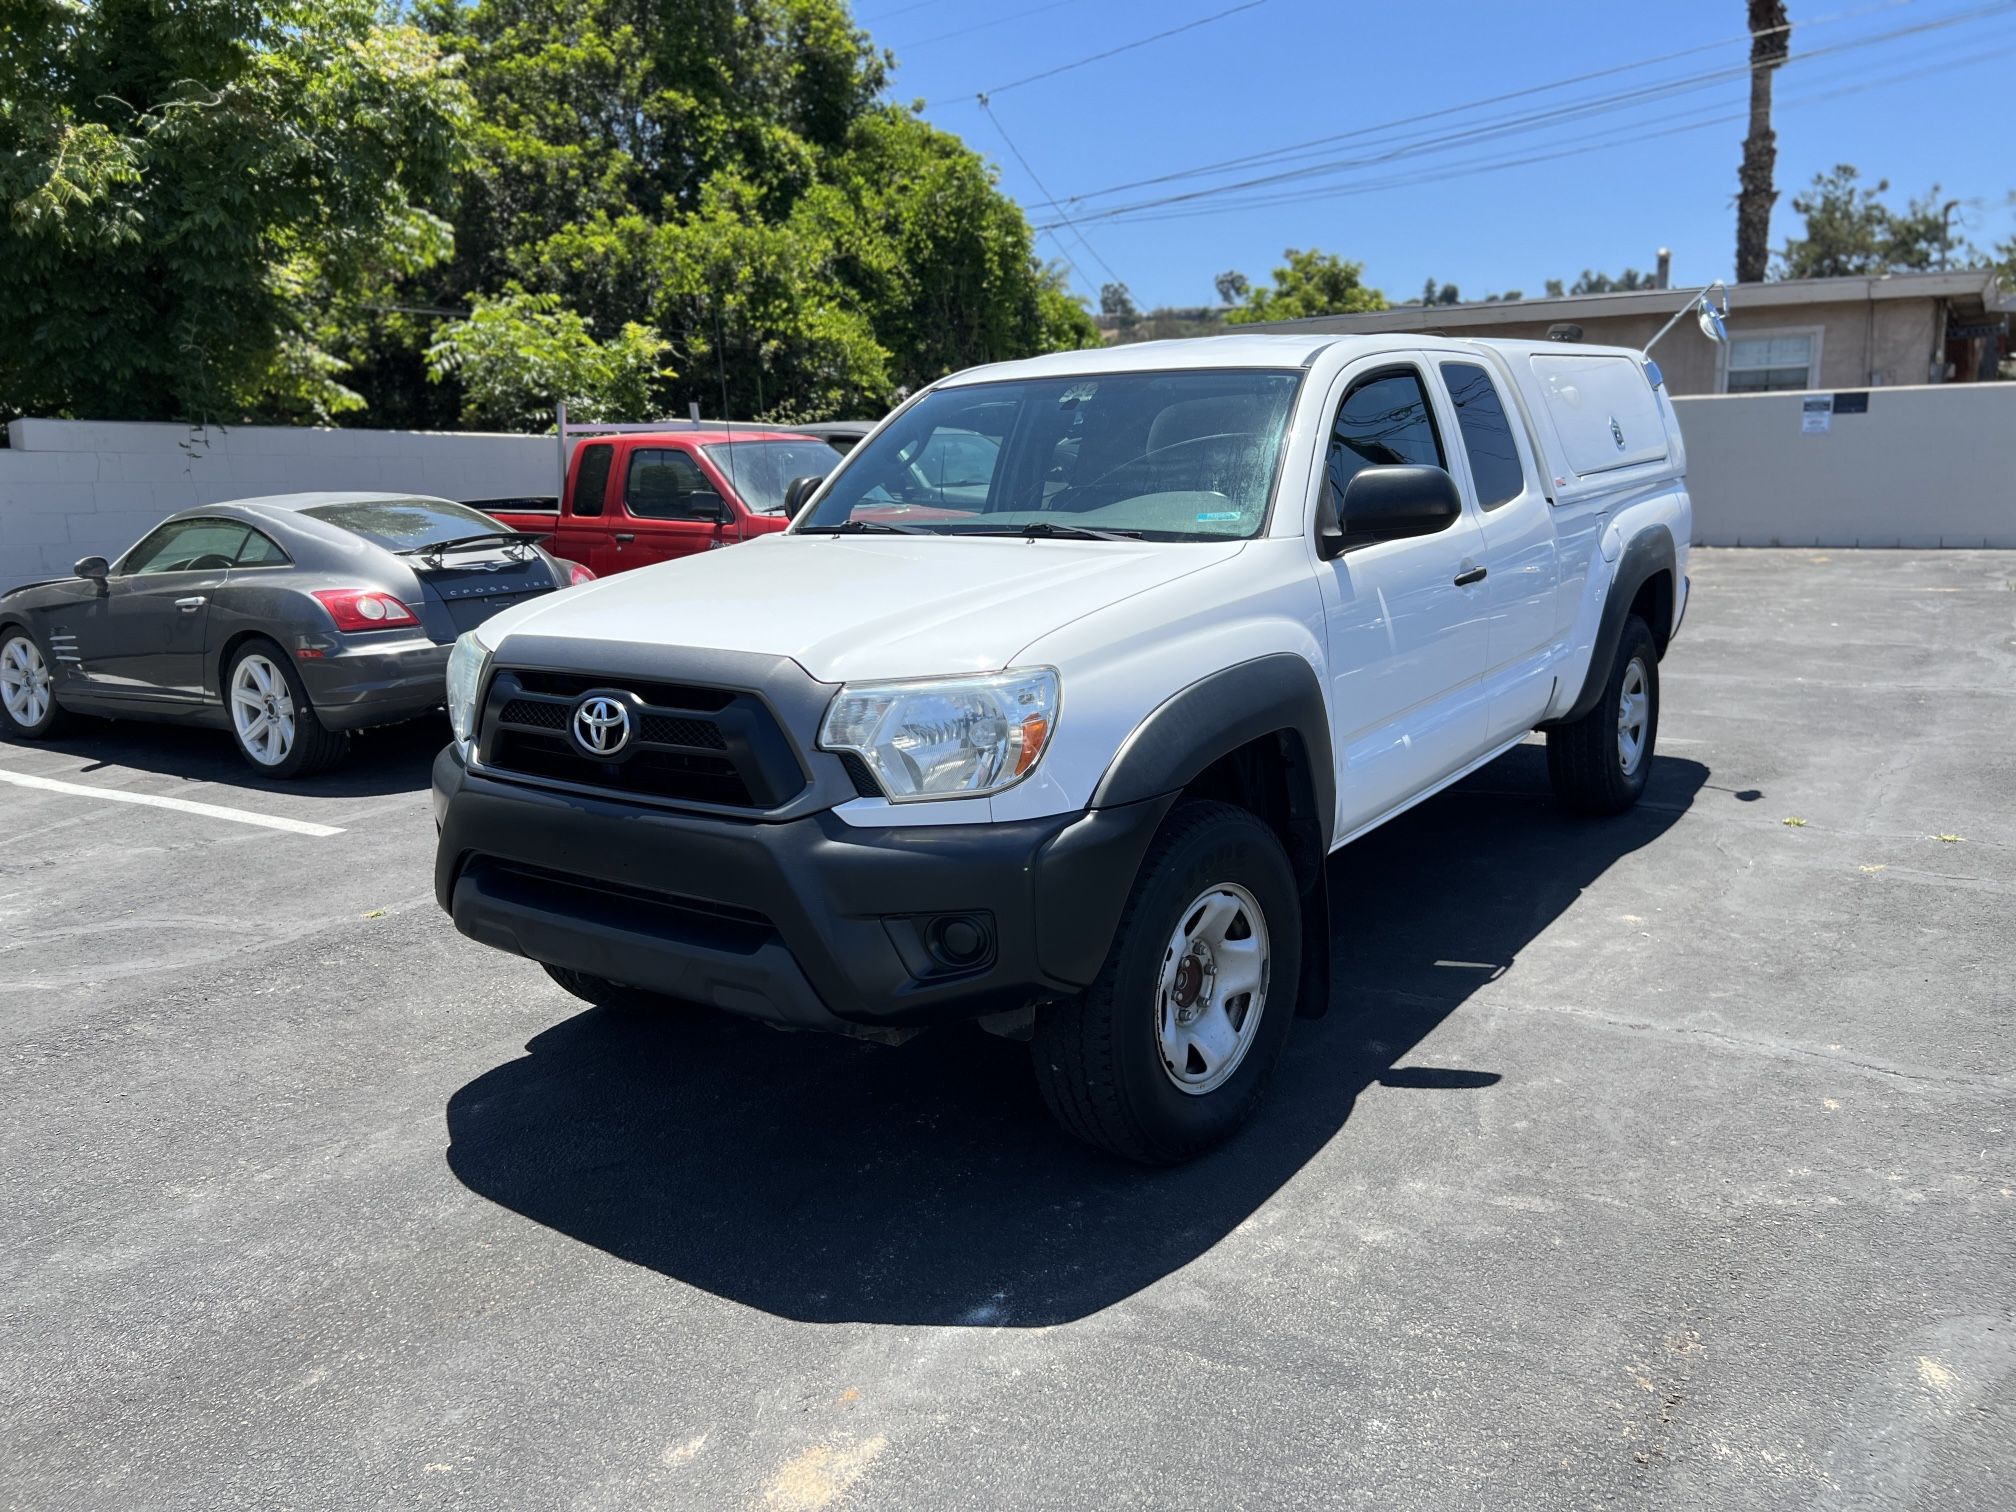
<point x="364" y="609"/>
<point x="577" y="575"/>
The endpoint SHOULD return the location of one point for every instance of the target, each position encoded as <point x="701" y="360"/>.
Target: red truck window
<point x="660" y="483"/>
<point x="591" y="482"/>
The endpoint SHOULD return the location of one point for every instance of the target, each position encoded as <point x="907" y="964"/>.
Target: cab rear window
<point x="399" y="523"/>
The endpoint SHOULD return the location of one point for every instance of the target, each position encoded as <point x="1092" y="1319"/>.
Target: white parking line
<point x="180" y="805"/>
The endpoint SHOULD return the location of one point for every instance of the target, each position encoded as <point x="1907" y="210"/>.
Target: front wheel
<point x="1599" y="764"/>
<point x="1170" y="1049"/>
<point x="272" y="720"/>
<point x="25" y="692"/>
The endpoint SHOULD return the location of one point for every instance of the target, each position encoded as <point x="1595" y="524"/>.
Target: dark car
<point x="842" y="435"/>
<point x="289" y="621"/>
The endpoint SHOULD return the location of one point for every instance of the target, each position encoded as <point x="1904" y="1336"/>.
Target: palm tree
<point x="1770" y="39"/>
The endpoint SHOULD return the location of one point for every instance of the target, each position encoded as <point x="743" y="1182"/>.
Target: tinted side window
<point x="591" y="483"/>
<point x="260" y="551"/>
<point x="1383" y="422"/>
<point x="1487" y="434"/>
<point x="187" y="546"/>
<point x="659" y="483"/>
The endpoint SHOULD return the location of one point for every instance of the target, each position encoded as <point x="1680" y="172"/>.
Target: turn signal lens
<point x="364" y="609"/>
<point x="946" y="737"/>
<point x="577" y="575"/>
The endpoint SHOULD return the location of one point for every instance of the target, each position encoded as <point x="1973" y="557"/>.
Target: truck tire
<point x="604" y="993"/>
<point x="272" y="722"/>
<point x="1599" y="764"/>
<point x="27" y="700"/>
<point x="1171" y="1047"/>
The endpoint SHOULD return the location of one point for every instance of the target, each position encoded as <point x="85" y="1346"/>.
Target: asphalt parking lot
<point x="1663" y="1161"/>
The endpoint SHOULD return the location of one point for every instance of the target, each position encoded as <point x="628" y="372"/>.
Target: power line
<point x="1111" y="52"/>
<point x="1553" y="115"/>
<point x="1449" y="110"/>
<point x="1630" y="136"/>
<point x="988" y="110"/>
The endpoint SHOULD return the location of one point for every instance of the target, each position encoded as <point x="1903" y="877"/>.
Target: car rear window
<point x="401" y="523"/>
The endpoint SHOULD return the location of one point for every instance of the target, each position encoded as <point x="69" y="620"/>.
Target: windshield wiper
<point x="866" y="527"/>
<point x="1055" y="531"/>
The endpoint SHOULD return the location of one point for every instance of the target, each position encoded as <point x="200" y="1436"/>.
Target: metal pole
<point x="560" y="431"/>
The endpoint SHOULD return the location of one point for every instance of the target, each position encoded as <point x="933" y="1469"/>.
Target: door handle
<point x="1471" y="575"/>
<point x="191" y="605"/>
<point x="625" y="537"/>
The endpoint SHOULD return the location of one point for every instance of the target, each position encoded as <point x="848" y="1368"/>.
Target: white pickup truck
<point x="1050" y="705"/>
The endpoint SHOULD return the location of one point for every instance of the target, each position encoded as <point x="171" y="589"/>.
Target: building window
<point x="1766" y="362"/>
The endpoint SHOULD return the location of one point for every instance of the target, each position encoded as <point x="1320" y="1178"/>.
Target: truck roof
<point x="1270" y="350"/>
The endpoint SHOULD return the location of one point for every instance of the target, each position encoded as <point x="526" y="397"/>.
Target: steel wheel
<point x="262" y="710"/>
<point x="1213" y="988"/>
<point x="1634" y="711"/>
<point x="24" y="681"/>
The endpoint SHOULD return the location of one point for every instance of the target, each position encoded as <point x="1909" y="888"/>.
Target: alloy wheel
<point x="24" y="681"/>
<point x="262" y="710"/>
<point x="1634" y="712"/>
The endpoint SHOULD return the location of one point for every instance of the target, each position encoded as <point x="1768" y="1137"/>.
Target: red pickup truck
<point x="632" y="500"/>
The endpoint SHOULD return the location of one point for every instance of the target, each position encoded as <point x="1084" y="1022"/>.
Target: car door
<point x="670" y="507"/>
<point x="143" y="638"/>
<point x="1406" y="639"/>
<point x="582" y="533"/>
<point x="1520" y="550"/>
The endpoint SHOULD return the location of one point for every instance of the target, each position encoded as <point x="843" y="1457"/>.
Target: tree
<point x="1309" y="283"/>
<point x="518" y="355"/>
<point x="199" y="194"/>
<point x="1850" y="231"/>
<point x="1232" y="286"/>
<point x="1770" y="41"/>
<point x="1116" y="303"/>
<point x="720" y="171"/>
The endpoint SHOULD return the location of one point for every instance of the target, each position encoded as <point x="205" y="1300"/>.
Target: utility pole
<point x="1770" y="40"/>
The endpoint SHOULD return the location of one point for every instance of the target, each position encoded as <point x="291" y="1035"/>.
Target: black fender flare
<point x="1646" y="554"/>
<point x="1278" y="694"/>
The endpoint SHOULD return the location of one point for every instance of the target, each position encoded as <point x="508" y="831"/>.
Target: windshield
<point x="1170" y="456"/>
<point x="399" y="523"/>
<point x="760" y="471"/>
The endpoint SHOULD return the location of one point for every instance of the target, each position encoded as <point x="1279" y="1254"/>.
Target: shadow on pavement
<point x="392" y="759"/>
<point x="826" y="1181"/>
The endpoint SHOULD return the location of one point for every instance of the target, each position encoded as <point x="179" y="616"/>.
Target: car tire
<point x="28" y="707"/>
<point x="1600" y="763"/>
<point x="272" y="722"/>
<point x="604" y="993"/>
<point x="1140" y="1063"/>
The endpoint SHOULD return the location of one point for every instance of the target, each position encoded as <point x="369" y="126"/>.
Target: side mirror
<point x="1387" y="504"/>
<point x="708" y="505"/>
<point x="93" y="567"/>
<point x="798" y="490"/>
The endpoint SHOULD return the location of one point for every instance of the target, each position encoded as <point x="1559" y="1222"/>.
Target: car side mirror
<point x="798" y="490"/>
<point x="708" y="505"/>
<point x="1387" y="504"/>
<point x="93" y="567"/>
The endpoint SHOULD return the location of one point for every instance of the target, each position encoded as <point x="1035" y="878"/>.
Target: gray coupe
<point x="288" y="621"/>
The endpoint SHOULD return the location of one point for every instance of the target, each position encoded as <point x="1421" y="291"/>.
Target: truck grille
<point x="685" y="744"/>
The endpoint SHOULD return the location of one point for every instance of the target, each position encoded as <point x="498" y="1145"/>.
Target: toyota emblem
<point x="601" y="725"/>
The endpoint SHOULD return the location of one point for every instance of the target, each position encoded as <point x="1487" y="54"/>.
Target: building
<point x="1816" y="333"/>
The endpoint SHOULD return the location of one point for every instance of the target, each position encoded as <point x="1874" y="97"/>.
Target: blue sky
<point x="1914" y="109"/>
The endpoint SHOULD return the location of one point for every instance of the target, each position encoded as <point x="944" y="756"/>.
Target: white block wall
<point x="1927" y="466"/>
<point x="76" y="488"/>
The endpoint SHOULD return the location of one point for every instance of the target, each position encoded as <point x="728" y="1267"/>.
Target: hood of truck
<point x="850" y="608"/>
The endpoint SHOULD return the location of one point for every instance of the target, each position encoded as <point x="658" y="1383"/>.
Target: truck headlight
<point x="946" y="737"/>
<point x="466" y="665"/>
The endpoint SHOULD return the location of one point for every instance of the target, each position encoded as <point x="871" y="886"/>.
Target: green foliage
<point x="1232" y="286"/>
<point x="518" y="355"/>
<point x="1602" y="283"/>
<point x="195" y="193"/>
<point x="1309" y="283"/>
<point x="1851" y="231"/>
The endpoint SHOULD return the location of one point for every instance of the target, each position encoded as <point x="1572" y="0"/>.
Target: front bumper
<point x="810" y="922"/>
<point x="355" y="681"/>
